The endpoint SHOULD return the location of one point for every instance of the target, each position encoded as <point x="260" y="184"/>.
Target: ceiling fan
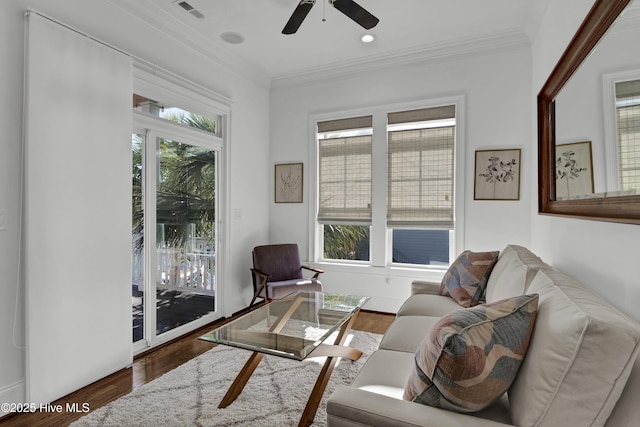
<point x="349" y="7"/>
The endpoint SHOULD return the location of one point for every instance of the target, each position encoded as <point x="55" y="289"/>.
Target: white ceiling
<point x="407" y="27"/>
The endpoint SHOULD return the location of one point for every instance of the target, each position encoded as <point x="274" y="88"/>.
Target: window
<point x="628" y="129"/>
<point x="176" y="115"/>
<point x="386" y="180"/>
<point x="420" y="184"/>
<point x="415" y="246"/>
<point x="344" y="173"/>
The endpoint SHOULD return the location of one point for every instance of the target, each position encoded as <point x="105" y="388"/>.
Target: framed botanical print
<point x="497" y="175"/>
<point x="574" y="170"/>
<point x="288" y="183"/>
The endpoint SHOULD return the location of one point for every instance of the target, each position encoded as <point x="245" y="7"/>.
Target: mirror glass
<point x="597" y="118"/>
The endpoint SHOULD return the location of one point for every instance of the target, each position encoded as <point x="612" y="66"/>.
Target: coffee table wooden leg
<point x="323" y="378"/>
<point x="241" y="380"/>
<point x="253" y="362"/>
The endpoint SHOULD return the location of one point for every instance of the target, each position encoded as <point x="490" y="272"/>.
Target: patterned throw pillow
<point x="473" y="355"/>
<point x="467" y="277"/>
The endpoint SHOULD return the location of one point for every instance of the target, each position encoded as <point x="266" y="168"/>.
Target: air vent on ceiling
<point x="186" y="6"/>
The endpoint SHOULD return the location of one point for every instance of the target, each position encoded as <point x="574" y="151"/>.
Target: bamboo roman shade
<point x="422" y="115"/>
<point x="628" y="89"/>
<point x="628" y="122"/>
<point x="345" y="171"/>
<point x="421" y="168"/>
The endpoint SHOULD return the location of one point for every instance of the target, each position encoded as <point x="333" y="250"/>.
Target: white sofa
<point x="581" y="367"/>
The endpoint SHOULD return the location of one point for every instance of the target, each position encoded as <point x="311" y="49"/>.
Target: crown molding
<point x="439" y="52"/>
<point x="158" y="15"/>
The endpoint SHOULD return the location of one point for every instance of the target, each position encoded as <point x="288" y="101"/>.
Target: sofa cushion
<point x="627" y="411"/>
<point x="406" y="333"/>
<point x="472" y="356"/>
<point x="580" y="357"/>
<point x="512" y="274"/>
<point x="467" y="277"/>
<point x="427" y="305"/>
<point x="385" y="373"/>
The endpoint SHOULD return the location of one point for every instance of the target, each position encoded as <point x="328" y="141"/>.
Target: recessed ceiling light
<point x="231" y="37"/>
<point x="368" y="38"/>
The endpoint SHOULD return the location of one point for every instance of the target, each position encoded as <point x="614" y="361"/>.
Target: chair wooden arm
<point x="317" y="271"/>
<point x="263" y="275"/>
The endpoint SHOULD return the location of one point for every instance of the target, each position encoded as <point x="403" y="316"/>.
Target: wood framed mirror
<point x="604" y="202"/>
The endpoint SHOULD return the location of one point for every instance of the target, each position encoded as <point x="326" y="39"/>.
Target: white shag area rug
<point x="189" y="395"/>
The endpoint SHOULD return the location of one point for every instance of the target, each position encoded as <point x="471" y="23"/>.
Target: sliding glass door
<point x="175" y="246"/>
<point x="185" y="233"/>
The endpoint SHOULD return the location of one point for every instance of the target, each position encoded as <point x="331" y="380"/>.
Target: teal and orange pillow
<point x="467" y="277"/>
<point x="472" y="356"/>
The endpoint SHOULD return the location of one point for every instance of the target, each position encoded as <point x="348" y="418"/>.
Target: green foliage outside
<point x="186" y="185"/>
<point x="348" y="242"/>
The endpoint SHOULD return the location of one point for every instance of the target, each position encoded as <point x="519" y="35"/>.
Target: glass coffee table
<point x="298" y="326"/>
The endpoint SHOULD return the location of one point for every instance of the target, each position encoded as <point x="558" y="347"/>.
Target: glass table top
<point x="292" y="326"/>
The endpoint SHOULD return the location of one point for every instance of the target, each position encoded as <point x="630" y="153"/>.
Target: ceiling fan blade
<point x="298" y="16"/>
<point x="356" y="12"/>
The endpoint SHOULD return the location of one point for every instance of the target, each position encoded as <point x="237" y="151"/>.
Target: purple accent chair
<point x="277" y="272"/>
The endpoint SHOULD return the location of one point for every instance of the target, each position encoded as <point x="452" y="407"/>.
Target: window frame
<point x="611" y="147"/>
<point x="162" y="85"/>
<point x="380" y="234"/>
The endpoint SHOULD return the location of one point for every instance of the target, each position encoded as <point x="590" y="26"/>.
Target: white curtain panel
<point x="77" y="253"/>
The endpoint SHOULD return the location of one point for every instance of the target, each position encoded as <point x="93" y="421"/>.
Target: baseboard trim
<point x="12" y="393"/>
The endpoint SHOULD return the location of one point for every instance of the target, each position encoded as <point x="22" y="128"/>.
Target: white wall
<point x="11" y="333"/>
<point x="496" y="85"/>
<point x="602" y="255"/>
<point x="247" y="195"/>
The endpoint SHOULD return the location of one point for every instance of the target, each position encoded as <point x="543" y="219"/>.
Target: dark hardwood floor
<point x="147" y="367"/>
